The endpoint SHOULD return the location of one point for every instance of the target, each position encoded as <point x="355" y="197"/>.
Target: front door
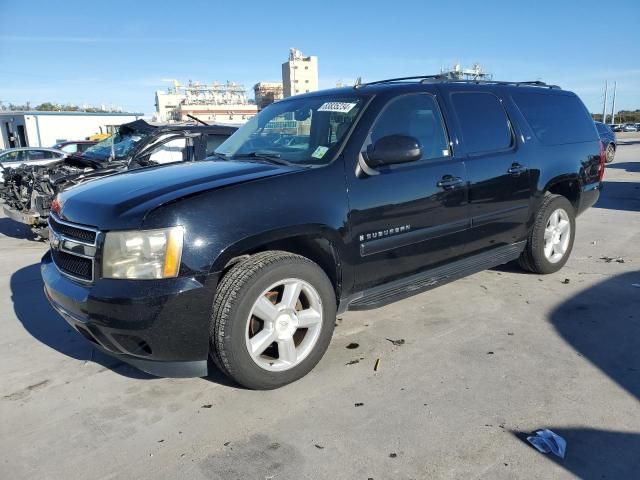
<point x="407" y="217"/>
<point x="499" y="180"/>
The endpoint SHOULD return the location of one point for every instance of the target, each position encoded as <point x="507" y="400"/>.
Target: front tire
<point x="272" y="320"/>
<point x="550" y="240"/>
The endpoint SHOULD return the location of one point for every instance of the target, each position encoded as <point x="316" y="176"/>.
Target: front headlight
<point x="143" y="254"/>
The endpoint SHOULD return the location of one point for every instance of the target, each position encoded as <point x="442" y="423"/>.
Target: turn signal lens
<point x="174" y="252"/>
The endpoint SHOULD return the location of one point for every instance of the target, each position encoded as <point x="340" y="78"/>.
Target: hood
<point x="121" y="201"/>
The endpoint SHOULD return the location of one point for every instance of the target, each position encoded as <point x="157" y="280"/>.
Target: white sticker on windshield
<point x="319" y="152"/>
<point x="341" y="107"/>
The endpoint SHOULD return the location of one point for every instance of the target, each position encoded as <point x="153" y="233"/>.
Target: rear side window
<point x="70" y="148"/>
<point x="603" y="129"/>
<point x="555" y="118"/>
<point x="483" y="121"/>
<point x="40" y="154"/>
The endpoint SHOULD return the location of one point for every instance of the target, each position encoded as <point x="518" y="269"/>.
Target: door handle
<point x="516" y="170"/>
<point x="449" y="182"/>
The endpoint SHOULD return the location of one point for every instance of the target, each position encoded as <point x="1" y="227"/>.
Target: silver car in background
<point x="14" y="157"/>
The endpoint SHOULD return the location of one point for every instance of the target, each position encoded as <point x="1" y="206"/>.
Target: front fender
<point x="226" y="222"/>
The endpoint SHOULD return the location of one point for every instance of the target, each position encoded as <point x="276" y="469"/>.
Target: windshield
<point x="302" y="131"/>
<point x="123" y="144"/>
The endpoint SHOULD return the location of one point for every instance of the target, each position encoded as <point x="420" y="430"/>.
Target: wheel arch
<point x="567" y="186"/>
<point x="319" y="244"/>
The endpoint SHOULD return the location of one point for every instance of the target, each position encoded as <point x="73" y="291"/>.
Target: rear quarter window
<point x="556" y="119"/>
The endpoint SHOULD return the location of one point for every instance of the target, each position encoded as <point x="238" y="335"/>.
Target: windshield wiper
<point x="222" y="156"/>
<point x="268" y="156"/>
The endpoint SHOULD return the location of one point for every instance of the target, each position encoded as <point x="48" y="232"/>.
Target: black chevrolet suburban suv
<point x="396" y="187"/>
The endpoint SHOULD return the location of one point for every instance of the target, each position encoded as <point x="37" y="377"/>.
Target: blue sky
<point x="119" y="52"/>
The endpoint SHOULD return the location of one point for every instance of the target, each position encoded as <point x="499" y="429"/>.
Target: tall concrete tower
<point x="299" y="74"/>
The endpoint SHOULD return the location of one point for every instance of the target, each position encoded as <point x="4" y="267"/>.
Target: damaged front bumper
<point x="28" y="218"/>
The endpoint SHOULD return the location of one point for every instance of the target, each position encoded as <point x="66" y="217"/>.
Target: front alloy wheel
<point x="284" y="325"/>
<point x="273" y="318"/>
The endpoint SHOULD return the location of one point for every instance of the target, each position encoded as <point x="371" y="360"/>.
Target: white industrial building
<point x="223" y="103"/>
<point x="267" y="92"/>
<point x="44" y="129"/>
<point x="299" y="74"/>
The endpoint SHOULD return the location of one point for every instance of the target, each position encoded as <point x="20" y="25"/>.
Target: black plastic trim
<point x="397" y="290"/>
<point x="391" y="242"/>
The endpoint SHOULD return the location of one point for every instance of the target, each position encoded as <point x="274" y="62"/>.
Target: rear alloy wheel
<point x="557" y="235"/>
<point x="272" y="321"/>
<point x="551" y="238"/>
<point x="609" y="153"/>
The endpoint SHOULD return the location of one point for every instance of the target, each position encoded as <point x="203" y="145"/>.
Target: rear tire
<point x="551" y="238"/>
<point x="272" y="320"/>
<point x="610" y="153"/>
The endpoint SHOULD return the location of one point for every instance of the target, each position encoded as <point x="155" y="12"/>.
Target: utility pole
<point x="604" y="105"/>
<point x="613" y="105"/>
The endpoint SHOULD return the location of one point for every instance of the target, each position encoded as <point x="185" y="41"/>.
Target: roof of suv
<point x="410" y="84"/>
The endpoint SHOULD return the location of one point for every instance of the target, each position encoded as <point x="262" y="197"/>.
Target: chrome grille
<point x="72" y="232"/>
<point x="73" y="248"/>
<point x="73" y="265"/>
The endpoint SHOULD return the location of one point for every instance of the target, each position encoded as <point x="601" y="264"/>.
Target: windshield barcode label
<point x="336" y="107"/>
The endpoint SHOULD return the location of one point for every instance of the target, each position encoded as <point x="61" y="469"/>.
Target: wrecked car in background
<point x="28" y="190"/>
<point x="14" y="157"/>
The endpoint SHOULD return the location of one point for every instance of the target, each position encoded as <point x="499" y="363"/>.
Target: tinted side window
<point x="483" y="121"/>
<point x="556" y="118"/>
<point x="39" y="154"/>
<point x="417" y="116"/>
<point x="70" y="148"/>
<point x="213" y="142"/>
<point x="603" y="129"/>
<point x="14" y="156"/>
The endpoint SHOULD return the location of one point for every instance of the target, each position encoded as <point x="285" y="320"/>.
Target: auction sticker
<point x="341" y="107"/>
<point x="319" y="152"/>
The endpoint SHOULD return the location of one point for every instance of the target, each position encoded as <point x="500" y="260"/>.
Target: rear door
<point x="499" y="178"/>
<point x="407" y="217"/>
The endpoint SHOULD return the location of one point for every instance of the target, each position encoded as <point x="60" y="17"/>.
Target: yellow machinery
<point x="105" y="133"/>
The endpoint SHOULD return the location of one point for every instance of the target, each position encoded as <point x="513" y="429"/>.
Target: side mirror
<point x="393" y="149"/>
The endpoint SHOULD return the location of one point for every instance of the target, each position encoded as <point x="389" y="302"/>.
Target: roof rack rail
<point x="443" y="77"/>
<point x="533" y="83"/>
<point x="403" y="79"/>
